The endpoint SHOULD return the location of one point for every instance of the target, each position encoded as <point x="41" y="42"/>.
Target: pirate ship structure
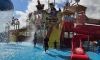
<point x="47" y="20"/>
<point x="68" y="28"/>
<point x="16" y="33"/>
<point x="59" y="26"/>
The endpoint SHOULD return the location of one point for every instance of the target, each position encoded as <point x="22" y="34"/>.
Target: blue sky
<point x="20" y="5"/>
<point x="25" y="5"/>
<point x="6" y="5"/>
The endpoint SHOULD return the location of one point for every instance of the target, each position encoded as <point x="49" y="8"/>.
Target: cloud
<point x="93" y="8"/>
<point x="6" y="13"/>
<point x="23" y="17"/>
<point x="5" y="17"/>
<point x="30" y="8"/>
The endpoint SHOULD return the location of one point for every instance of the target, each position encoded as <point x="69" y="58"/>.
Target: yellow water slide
<point x="54" y="36"/>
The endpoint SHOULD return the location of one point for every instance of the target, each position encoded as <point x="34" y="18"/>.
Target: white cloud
<point x="93" y="8"/>
<point x="5" y="17"/>
<point x="23" y="17"/>
<point x="31" y="8"/>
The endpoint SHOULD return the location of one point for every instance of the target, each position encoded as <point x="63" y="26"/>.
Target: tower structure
<point x="39" y="6"/>
<point x="39" y="21"/>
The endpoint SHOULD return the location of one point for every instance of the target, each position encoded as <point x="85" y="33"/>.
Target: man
<point x="46" y="43"/>
<point x="55" y="44"/>
<point x="35" y="39"/>
<point x="17" y="24"/>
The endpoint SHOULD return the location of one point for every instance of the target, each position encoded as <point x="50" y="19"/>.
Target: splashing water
<point x="32" y="32"/>
<point x="5" y="18"/>
<point x="6" y="14"/>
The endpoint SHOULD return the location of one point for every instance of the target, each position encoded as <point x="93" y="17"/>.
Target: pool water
<point x="26" y="51"/>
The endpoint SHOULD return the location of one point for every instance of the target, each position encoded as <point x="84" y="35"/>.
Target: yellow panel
<point x="54" y="36"/>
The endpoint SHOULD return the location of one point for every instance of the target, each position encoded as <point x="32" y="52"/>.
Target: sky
<point x="23" y="7"/>
<point x="5" y="5"/>
<point x="93" y="8"/>
<point x="6" y="13"/>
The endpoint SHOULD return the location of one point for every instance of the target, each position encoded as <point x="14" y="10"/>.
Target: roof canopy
<point x="67" y="12"/>
<point x="76" y="8"/>
<point x="72" y="9"/>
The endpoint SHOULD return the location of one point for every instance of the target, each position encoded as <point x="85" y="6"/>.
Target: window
<point x="65" y="34"/>
<point x="70" y="34"/>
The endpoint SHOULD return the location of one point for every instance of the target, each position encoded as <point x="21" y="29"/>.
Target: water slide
<point x="54" y="36"/>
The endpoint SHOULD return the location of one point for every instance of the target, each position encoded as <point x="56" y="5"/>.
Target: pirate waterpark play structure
<point x="71" y="34"/>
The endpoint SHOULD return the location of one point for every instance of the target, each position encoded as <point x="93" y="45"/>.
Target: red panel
<point x="68" y="26"/>
<point x="88" y="29"/>
<point x="76" y="42"/>
<point x="79" y="57"/>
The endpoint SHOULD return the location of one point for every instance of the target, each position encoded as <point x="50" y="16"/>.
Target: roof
<point x="76" y="8"/>
<point x="19" y="30"/>
<point x="72" y="9"/>
<point x="67" y="12"/>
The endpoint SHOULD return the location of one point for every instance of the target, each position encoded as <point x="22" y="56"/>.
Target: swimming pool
<point x="26" y="51"/>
